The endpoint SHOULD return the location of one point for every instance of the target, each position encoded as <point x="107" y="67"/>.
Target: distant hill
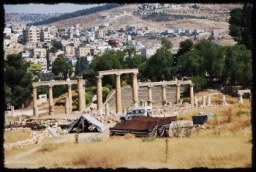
<point x="25" y="18"/>
<point x="75" y="14"/>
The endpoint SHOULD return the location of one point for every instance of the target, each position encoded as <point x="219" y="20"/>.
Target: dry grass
<point x="227" y="143"/>
<point x="16" y="135"/>
<point x="134" y="153"/>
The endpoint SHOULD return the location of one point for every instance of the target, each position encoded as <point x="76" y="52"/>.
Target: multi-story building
<point x="7" y="41"/>
<point x="69" y="50"/>
<point x="11" y="50"/>
<point x="43" y="63"/>
<point x="147" y="52"/>
<point x="7" y="30"/>
<point x="26" y="54"/>
<point x="41" y="52"/>
<point x="84" y="51"/>
<point x="45" y="36"/>
<point x="31" y="34"/>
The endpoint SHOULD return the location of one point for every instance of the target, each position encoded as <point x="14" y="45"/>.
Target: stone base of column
<point x="149" y="103"/>
<point x="224" y="103"/>
<point x="51" y="110"/>
<point x="35" y="111"/>
<point x="99" y="112"/>
<point x="164" y="102"/>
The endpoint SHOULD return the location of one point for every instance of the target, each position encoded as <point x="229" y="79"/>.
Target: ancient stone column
<point x="203" y="99"/>
<point x="118" y="95"/>
<point x="99" y="93"/>
<point x="51" y="106"/>
<point x="69" y="99"/>
<point x="35" y="109"/>
<point x="145" y="103"/>
<point x="208" y="100"/>
<point x="163" y="92"/>
<point x="223" y="99"/>
<point x="240" y="98"/>
<point x="106" y="109"/>
<point x="195" y="101"/>
<point x="67" y="105"/>
<point x="150" y="95"/>
<point x="177" y="92"/>
<point x="79" y="90"/>
<point x="84" y="95"/>
<point x="135" y="89"/>
<point x="192" y="94"/>
<point x="12" y="111"/>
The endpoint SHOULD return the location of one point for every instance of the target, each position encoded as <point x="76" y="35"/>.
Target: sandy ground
<point x="16" y="160"/>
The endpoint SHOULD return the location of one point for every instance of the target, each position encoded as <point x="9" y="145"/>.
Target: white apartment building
<point x="43" y="63"/>
<point x="7" y="30"/>
<point x="90" y="36"/>
<point x="147" y="52"/>
<point x="26" y="54"/>
<point x="94" y="28"/>
<point x="100" y="34"/>
<point x="41" y="52"/>
<point x="7" y="41"/>
<point x="45" y="36"/>
<point x="103" y="48"/>
<point x="31" y="34"/>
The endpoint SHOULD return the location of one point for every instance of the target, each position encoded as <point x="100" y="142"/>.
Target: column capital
<point x="118" y="75"/>
<point x="99" y="77"/>
<point x="164" y="86"/>
<point x="178" y="84"/>
<point x="79" y="77"/>
<point x="50" y="85"/>
<point x="191" y="85"/>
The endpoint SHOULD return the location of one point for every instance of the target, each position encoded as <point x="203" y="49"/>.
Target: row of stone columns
<point x="118" y="92"/>
<point x="177" y="93"/>
<point x="68" y="109"/>
<point x="209" y="100"/>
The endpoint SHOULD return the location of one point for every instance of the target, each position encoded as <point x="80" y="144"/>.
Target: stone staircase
<point x="126" y="95"/>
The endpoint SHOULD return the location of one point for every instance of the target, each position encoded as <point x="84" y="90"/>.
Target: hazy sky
<point x="46" y="8"/>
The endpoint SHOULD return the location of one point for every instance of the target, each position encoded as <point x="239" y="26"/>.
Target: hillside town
<point x="78" y="41"/>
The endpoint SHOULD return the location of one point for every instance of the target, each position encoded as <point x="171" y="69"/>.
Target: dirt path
<point x="19" y="159"/>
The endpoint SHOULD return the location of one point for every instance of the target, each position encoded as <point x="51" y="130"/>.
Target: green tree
<point x="60" y="67"/>
<point x="190" y="64"/>
<point x="235" y="21"/>
<point x="17" y="81"/>
<point x="57" y="44"/>
<point x="240" y="25"/>
<point x="159" y="66"/>
<point x="199" y="82"/>
<point x="184" y="47"/>
<point x="109" y="60"/>
<point x="82" y="65"/>
<point x="105" y="92"/>
<point x="89" y="76"/>
<point x="247" y="32"/>
<point x="238" y="66"/>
